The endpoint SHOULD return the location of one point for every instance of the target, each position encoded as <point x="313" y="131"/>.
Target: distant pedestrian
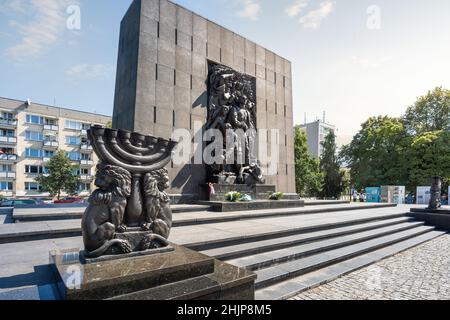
<point x="362" y="197"/>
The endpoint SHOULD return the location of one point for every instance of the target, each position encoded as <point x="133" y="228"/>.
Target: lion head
<point x="156" y="182"/>
<point x="113" y="179"/>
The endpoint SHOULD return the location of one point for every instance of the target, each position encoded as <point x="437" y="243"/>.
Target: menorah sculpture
<point x="129" y="212"/>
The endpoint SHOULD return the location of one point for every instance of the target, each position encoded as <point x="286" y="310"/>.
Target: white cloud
<point x="295" y="9"/>
<point x="46" y="23"/>
<point x="14" y="6"/>
<point x="371" y="63"/>
<point x="88" y="71"/>
<point x="314" y="18"/>
<point x="250" y="10"/>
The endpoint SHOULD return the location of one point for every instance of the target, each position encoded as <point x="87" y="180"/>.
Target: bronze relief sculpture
<point x="130" y="211"/>
<point x="232" y="109"/>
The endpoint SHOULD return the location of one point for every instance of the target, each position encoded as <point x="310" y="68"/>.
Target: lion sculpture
<point x="104" y="215"/>
<point x="158" y="217"/>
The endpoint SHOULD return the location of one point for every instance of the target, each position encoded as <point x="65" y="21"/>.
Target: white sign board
<point x="423" y="195"/>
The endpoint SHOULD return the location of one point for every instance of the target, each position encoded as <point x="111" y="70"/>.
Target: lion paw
<point x="121" y="229"/>
<point x="146" y="227"/>
<point x="125" y="247"/>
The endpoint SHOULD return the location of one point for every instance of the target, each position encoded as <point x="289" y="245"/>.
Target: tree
<point x="308" y="178"/>
<point x="334" y="180"/>
<point x="60" y="176"/>
<point x="428" y="156"/>
<point x="109" y="124"/>
<point x="429" y="113"/>
<point x="377" y="154"/>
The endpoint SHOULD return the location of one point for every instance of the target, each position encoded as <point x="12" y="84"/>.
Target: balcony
<point x="83" y="132"/>
<point x="89" y="163"/>
<point x="8" y="140"/>
<point x="86" y="147"/>
<point x="8" y="123"/>
<point x="49" y="127"/>
<point x="8" y="157"/>
<point x="86" y="177"/>
<point x="46" y="159"/>
<point x="7" y="175"/>
<point x="49" y="144"/>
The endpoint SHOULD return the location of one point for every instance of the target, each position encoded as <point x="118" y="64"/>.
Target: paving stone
<point x="420" y="273"/>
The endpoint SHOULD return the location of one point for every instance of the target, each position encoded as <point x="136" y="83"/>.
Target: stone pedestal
<point x="178" y="274"/>
<point x="257" y="191"/>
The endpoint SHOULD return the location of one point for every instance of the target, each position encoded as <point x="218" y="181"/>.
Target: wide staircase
<point x="291" y="250"/>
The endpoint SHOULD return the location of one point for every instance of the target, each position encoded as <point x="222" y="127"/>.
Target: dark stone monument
<point x="435" y="205"/>
<point x="126" y="227"/>
<point x="434" y="214"/>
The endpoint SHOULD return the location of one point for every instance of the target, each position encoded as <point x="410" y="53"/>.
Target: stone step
<point x="290" y="269"/>
<point x="64" y="213"/>
<point x="294" y="252"/>
<point x="240" y="250"/>
<point x="323" y="202"/>
<point x="319" y="226"/>
<point x="51" y="229"/>
<point x="227" y="206"/>
<point x="290" y="288"/>
<point x="206" y="217"/>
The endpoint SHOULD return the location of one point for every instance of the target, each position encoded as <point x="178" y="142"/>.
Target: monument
<point x="126" y="227"/>
<point x="434" y="214"/>
<point x="178" y="70"/>
<point x="435" y="205"/>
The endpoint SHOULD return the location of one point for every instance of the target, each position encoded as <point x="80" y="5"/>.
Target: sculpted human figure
<point x="104" y="215"/>
<point x="252" y="174"/>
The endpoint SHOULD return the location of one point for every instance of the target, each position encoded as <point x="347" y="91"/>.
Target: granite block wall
<point x="161" y="81"/>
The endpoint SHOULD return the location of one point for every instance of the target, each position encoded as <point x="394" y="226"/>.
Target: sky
<point x="351" y="59"/>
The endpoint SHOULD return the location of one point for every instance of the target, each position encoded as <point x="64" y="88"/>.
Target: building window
<point x="49" y="154"/>
<point x="71" y="140"/>
<point x="73" y="125"/>
<point x="34" y="169"/>
<point x="76" y="172"/>
<point x="8" y="116"/>
<point x="6" y="186"/>
<point x="50" y="122"/>
<point x="34" y="136"/>
<point x="34" y="119"/>
<point x="7" y="133"/>
<point x="84" y="187"/>
<point x="32" y="186"/>
<point x="74" y="156"/>
<point x="33" y="153"/>
<point x="85" y="171"/>
<point x="6" y="168"/>
<point x="85" y="156"/>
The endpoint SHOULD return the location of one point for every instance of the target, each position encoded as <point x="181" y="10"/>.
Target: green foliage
<point x="233" y="196"/>
<point x="403" y="151"/>
<point x="276" y="196"/>
<point x="429" y="155"/>
<point x="109" y="124"/>
<point x="429" y="113"/>
<point x="308" y="177"/>
<point x="376" y="154"/>
<point x="60" y="176"/>
<point x="334" y="178"/>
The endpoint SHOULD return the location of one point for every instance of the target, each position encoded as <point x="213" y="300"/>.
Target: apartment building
<point x="30" y="135"/>
<point x="315" y="133"/>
